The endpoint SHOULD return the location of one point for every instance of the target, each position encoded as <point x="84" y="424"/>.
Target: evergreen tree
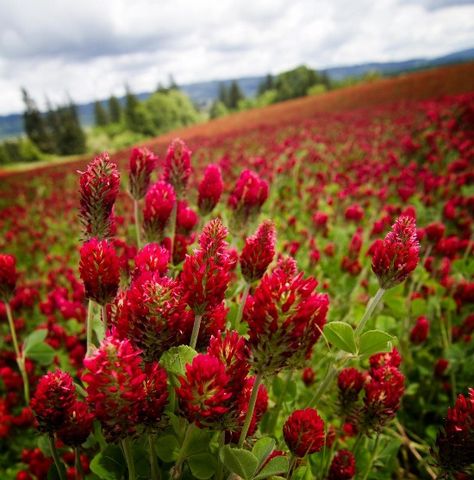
<point x="223" y="94"/>
<point x="266" y="84"/>
<point x="172" y="83"/>
<point x="115" y="110"/>
<point x="100" y="115"/>
<point x="35" y="125"/>
<point x="71" y="139"/>
<point x="131" y="111"/>
<point x="235" y="95"/>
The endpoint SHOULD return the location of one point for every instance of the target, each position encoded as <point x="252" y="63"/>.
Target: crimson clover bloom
<point x="285" y="318"/>
<point x="152" y="258"/>
<point x="210" y="189"/>
<point x="54" y="398"/>
<point x="142" y="164"/>
<point x="154" y="316"/>
<point x="396" y="256"/>
<point x="420" y="331"/>
<point x="350" y="382"/>
<point x="78" y="425"/>
<point x="258" y="252"/>
<point x="8" y="277"/>
<point x="99" y="187"/>
<point x="100" y="270"/>
<point x="155" y="395"/>
<point x="343" y="466"/>
<point x="115" y="393"/>
<point x="204" y="394"/>
<point x="159" y="202"/>
<point x="304" y="432"/>
<point x="178" y="166"/>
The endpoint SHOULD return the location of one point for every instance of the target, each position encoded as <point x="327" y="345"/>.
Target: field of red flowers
<point x="314" y="320"/>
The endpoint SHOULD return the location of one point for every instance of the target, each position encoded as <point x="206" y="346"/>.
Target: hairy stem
<point x="240" y="311"/>
<point x="57" y="461"/>
<point x="127" y="451"/>
<point x="250" y="410"/>
<point x="136" y="214"/>
<point x="90" y="316"/>
<point x="195" y="332"/>
<point x="78" y="464"/>
<point x="155" y="472"/>
<point x="373" y="302"/>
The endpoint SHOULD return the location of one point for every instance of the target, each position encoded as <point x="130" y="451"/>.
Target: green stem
<point x="373" y="456"/>
<point x="57" y="461"/>
<point x="104" y="317"/>
<point x="174" y="214"/>
<point x="155" y="472"/>
<point x="177" y="470"/>
<point x="240" y="311"/>
<point x="78" y="464"/>
<point x="329" y="377"/>
<point x="292" y="466"/>
<point x="195" y="332"/>
<point x="250" y="409"/>
<point x="220" y="465"/>
<point x="136" y="214"/>
<point x="90" y="317"/>
<point x="276" y="409"/>
<point x="20" y="358"/>
<point x="127" y="451"/>
<point x="373" y="302"/>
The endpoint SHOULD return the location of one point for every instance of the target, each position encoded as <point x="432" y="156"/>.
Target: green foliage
<point x="239" y="461"/>
<point x="109" y="464"/>
<point x="297" y="82"/>
<point x="19" y="150"/>
<point x="341" y="335"/>
<point x="115" y="110"/>
<point x="100" y="115"/>
<point x="218" y="109"/>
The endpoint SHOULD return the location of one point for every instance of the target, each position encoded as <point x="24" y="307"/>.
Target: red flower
<point x="204" y="395"/>
<point x="285" y="319"/>
<point x="142" y="164"/>
<point x="210" y="189"/>
<point x="155" y="395"/>
<point x="53" y="400"/>
<point x="420" y="331"/>
<point x="455" y="443"/>
<point x="392" y="359"/>
<point x="354" y="212"/>
<point x="115" y="392"/>
<point x="99" y="187"/>
<point x="249" y="194"/>
<point x="435" y="231"/>
<point x="206" y="273"/>
<point x="343" y="466"/>
<point x="152" y="258"/>
<point x="178" y="166"/>
<point x="258" y="252"/>
<point x="100" y="270"/>
<point x="159" y="202"/>
<point x="154" y="316"/>
<point x="186" y="218"/>
<point x="396" y="256"/>
<point x="231" y="349"/>
<point x="8" y="277"/>
<point x="350" y="381"/>
<point x="78" y="425"/>
<point x="308" y="376"/>
<point x="304" y="432"/>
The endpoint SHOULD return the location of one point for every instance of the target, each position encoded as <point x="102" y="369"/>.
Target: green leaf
<point x="175" y="359"/>
<point x="239" y="461"/>
<point x="276" y="466"/>
<point x="42" y="353"/>
<point x="34" y="338"/>
<point x="263" y="448"/>
<point x="108" y="464"/>
<point x="374" y="341"/>
<point x="98" y="327"/>
<point x="418" y="307"/>
<point x="341" y="335"/>
<point x="397" y="305"/>
<point x="167" y="448"/>
<point x="202" y="465"/>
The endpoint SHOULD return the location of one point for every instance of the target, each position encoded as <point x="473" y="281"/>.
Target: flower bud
<point x="159" y="202"/>
<point x="8" y="277"/>
<point x="210" y="189"/>
<point x="343" y="466"/>
<point x="304" y="432"/>
<point x="178" y="166"/>
<point x="142" y="164"/>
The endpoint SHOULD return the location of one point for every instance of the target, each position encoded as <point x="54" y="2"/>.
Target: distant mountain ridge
<point x="203" y="93"/>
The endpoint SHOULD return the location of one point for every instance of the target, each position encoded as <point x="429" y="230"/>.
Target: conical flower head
<point x="395" y="257"/>
<point x="159" y="202"/>
<point x="77" y="426"/>
<point x="249" y="194"/>
<point x="155" y="395"/>
<point x="210" y="189"/>
<point x="258" y="252"/>
<point x="178" y="166"/>
<point x="53" y="400"/>
<point x="115" y="394"/>
<point x="8" y="277"/>
<point x="142" y="164"/>
<point x="154" y="316"/>
<point x="99" y="187"/>
<point x="343" y="466"/>
<point x="100" y="270"/>
<point x="152" y="258"/>
<point x="285" y="318"/>
<point x="304" y="432"/>
<point x="204" y="396"/>
<point x="206" y="273"/>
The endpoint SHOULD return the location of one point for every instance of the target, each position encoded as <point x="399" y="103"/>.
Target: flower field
<point x="291" y="298"/>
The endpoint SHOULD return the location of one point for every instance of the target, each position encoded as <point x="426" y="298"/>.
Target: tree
<point x="100" y="115"/>
<point x="71" y="138"/>
<point x="115" y="110"/>
<point x="131" y="112"/>
<point x="218" y="109"/>
<point x="266" y="84"/>
<point x="223" y="94"/>
<point x="235" y="95"/>
<point x="35" y="125"/>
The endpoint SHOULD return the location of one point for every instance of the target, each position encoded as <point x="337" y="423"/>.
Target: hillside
<point x="429" y="84"/>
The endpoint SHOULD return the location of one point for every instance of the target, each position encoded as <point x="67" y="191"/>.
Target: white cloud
<point x="91" y="49"/>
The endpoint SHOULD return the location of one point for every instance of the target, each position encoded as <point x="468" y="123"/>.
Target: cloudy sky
<point x="90" y="48"/>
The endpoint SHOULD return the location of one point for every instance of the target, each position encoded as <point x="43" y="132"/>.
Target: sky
<point x="89" y="49"/>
